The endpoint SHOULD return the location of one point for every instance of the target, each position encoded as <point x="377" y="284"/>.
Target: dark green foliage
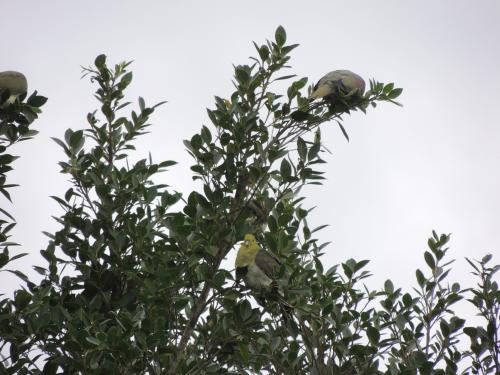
<point x="134" y="283"/>
<point x="15" y="121"/>
<point x="485" y="341"/>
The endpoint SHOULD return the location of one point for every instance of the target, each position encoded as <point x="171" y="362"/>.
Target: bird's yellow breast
<point x="246" y="255"/>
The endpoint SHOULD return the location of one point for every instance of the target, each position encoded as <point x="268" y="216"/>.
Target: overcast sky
<point x="433" y="164"/>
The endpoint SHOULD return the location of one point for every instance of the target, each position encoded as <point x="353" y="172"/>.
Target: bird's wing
<point x="267" y="263"/>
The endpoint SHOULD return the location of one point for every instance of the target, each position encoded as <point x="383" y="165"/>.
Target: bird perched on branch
<point x="15" y="82"/>
<point x="340" y="88"/>
<point x="259" y="269"/>
<point x="256" y="266"/>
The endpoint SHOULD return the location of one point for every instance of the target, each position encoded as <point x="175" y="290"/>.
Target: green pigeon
<point x="336" y="83"/>
<point x="15" y="82"/>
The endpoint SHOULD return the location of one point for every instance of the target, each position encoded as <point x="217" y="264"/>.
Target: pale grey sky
<point x="433" y="164"/>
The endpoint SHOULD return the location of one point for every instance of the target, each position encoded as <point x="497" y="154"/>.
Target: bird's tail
<point x="286" y="310"/>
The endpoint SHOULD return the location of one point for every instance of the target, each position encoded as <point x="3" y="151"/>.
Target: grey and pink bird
<point x="338" y="83"/>
<point x="15" y="82"/>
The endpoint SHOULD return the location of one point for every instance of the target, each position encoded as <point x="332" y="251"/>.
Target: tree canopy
<point x="134" y="281"/>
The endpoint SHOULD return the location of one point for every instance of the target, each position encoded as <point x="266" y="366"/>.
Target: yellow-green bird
<point x="338" y="81"/>
<point x="256" y="266"/>
<point x="341" y="89"/>
<point x="15" y="82"/>
<point x="259" y="269"/>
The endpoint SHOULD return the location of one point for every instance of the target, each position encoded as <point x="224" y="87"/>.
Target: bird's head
<point x="247" y="251"/>
<point x="249" y="239"/>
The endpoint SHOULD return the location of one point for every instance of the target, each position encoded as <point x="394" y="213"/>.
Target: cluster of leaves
<point x="135" y="284"/>
<point x="89" y="313"/>
<point x="15" y="119"/>
<point x="485" y="343"/>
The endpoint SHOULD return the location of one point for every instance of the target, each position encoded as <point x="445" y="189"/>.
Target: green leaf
<point x="142" y="104"/>
<point x="244" y="352"/>
<point x="276" y="153"/>
<point x="395" y="93"/>
<point x="300" y="83"/>
<point x="19" y="274"/>
<point x="471" y="332"/>
<point x="17" y="256"/>
<point x="327" y="309"/>
<point x="21" y="299"/>
<point x="4" y="257"/>
<point x="287" y="49"/>
<point x="285" y="169"/>
<point x="313" y="151"/>
<point x="389" y="287"/>
<point x="125" y="81"/>
<point x="100" y="61"/>
<point x="181" y="302"/>
<point x="263" y="51"/>
<point x="420" y="278"/>
<point x="299" y="116"/>
<point x="36" y="100"/>
<point x="486" y="258"/>
<point x="347" y="270"/>
<point x="242" y="74"/>
<point x="67" y="135"/>
<point x="285" y="77"/>
<point x="107" y="111"/>
<point x="40" y="270"/>
<point x="7" y="214"/>
<point x="203" y="202"/>
<point x="93" y="340"/>
<point x="344" y="132"/>
<point x="206" y="135"/>
<point x="76" y="140"/>
<point x="272" y="223"/>
<point x="359" y="265"/>
<point x="245" y="310"/>
<point x="302" y="148"/>
<point x="6" y="159"/>
<point x="445" y="328"/>
<point x="196" y="142"/>
<point x="388" y="88"/>
<point x="167" y="163"/>
<point x="429" y="259"/>
<point x="407" y="300"/>
<point x="280" y="36"/>
<point x="373" y="335"/>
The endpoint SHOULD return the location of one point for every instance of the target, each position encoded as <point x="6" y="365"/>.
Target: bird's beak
<point x="246" y="243"/>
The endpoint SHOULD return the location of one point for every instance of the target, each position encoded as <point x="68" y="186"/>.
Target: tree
<point x="15" y="121"/>
<point x="134" y="282"/>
